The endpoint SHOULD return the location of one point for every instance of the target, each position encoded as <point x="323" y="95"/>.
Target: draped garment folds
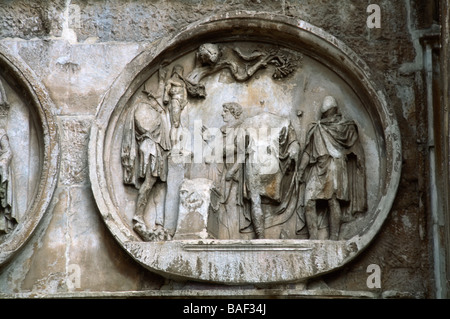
<point x="227" y="198"/>
<point x="8" y="218"/>
<point x="267" y="170"/>
<point x="336" y="165"/>
<point x="145" y="144"/>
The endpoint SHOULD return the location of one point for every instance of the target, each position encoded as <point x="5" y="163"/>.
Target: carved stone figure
<point x="7" y="217"/>
<point x="333" y="170"/>
<point x="175" y="96"/>
<point x="228" y="194"/>
<point x="270" y="171"/>
<point x="258" y="185"/>
<point x="7" y="210"/>
<point x="145" y="148"/>
<point x="212" y="58"/>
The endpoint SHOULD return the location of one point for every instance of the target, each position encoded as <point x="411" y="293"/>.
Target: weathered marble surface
<point x="77" y="60"/>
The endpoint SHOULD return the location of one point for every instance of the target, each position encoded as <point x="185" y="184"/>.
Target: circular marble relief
<point x="29" y="153"/>
<point x="249" y="148"/>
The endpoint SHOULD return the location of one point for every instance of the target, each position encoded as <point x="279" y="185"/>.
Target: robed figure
<point x="333" y="170"/>
<point x="258" y="187"/>
<point x="7" y="210"/>
<point x="270" y="176"/>
<point x="8" y="218"/>
<point x="145" y="148"/>
<point x="228" y="175"/>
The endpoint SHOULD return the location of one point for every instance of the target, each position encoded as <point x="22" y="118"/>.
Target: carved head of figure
<point x="329" y="106"/>
<point x="208" y="54"/>
<point x="178" y="70"/>
<point x="231" y="111"/>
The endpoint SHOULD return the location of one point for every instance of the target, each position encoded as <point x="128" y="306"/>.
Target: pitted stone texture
<point x="77" y="76"/>
<point x="74" y="139"/>
<point x="28" y="19"/>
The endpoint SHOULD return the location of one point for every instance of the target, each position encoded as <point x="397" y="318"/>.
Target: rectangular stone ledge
<point x="214" y="293"/>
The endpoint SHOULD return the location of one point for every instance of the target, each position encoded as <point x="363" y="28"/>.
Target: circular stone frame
<point x="246" y="261"/>
<point x="41" y="107"/>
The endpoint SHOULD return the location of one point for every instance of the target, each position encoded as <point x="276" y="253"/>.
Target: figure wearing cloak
<point x="7" y="216"/>
<point x="333" y="169"/>
<point x="145" y="148"/>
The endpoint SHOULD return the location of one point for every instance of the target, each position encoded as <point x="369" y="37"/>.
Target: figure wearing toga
<point x="228" y="193"/>
<point x="257" y="189"/>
